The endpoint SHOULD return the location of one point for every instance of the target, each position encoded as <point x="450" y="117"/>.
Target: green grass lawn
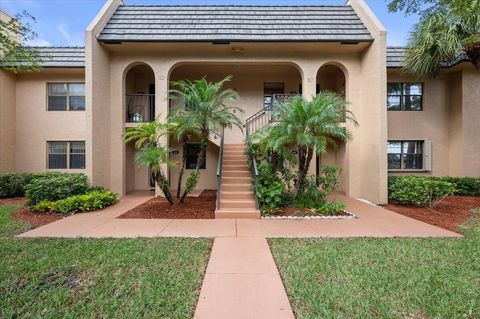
<point x="382" y="278"/>
<point x="92" y="278"/>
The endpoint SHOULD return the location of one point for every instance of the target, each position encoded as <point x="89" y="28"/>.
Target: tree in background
<point x="14" y="33"/>
<point x="447" y="28"/>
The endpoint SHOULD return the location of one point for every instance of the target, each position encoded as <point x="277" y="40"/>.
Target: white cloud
<point x="74" y="38"/>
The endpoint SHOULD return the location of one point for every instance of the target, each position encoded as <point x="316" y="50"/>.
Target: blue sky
<point x="62" y="22"/>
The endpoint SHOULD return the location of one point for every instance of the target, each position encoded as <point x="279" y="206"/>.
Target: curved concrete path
<point x="241" y="280"/>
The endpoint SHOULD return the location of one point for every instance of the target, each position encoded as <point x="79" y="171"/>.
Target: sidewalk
<point x="372" y="221"/>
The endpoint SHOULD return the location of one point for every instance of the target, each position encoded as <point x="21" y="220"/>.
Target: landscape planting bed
<point x="305" y="213"/>
<point x="201" y="207"/>
<point x="448" y="214"/>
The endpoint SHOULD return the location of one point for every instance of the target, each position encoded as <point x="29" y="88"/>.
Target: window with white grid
<point x="63" y="155"/>
<point x="66" y="96"/>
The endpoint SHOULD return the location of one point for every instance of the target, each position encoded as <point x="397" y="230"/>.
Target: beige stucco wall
<point x="7" y="121"/>
<point x="450" y="119"/>
<point x="35" y="125"/>
<point x="432" y="123"/>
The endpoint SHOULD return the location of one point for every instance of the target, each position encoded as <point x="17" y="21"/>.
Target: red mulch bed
<point x="448" y="214"/>
<point x="36" y="219"/>
<point x="201" y="207"/>
<point x="12" y="201"/>
<point x="26" y="215"/>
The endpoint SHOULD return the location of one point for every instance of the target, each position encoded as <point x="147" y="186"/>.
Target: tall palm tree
<point x="206" y="104"/>
<point x="311" y="126"/>
<point x="150" y="152"/>
<point x="442" y="36"/>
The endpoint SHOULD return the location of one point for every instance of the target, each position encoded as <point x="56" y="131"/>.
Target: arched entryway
<point x="331" y="77"/>
<point x="139" y="106"/>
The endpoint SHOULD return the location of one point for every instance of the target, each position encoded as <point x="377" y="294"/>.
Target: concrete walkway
<point x="242" y="280"/>
<point x="372" y="221"/>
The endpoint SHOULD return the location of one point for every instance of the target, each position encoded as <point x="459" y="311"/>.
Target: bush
<point x="55" y="187"/>
<point x="92" y="200"/>
<point x="466" y="186"/>
<point x="329" y="209"/>
<point x="270" y="189"/>
<point x="419" y="191"/>
<point x="14" y="184"/>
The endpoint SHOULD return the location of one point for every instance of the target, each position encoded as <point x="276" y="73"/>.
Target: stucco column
<point x="309" y="84"/>
<point x="161" y="106"/>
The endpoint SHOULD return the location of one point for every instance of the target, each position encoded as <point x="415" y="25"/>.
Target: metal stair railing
<point x="220" y="167"/>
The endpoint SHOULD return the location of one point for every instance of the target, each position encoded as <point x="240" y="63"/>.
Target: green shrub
<point x="329" y="209"/>
<point x="270" y="189"/>
<point x="329" y="178"/>
<point x="419" y="191"/>
<point x="92" y="200"/>
<point x="466" y="186"/>
<point x="55" y="187"/>
<point x="14" y="184"/>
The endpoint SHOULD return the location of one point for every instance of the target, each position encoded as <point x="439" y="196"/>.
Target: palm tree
<point x="441" y="37"/>
<point x="205" y="103"/>
<point x="182" y="127"/>
<point x="310" y="126"/>
<point x="150" y="152"/>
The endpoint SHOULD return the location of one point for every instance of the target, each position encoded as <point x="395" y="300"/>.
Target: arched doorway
<point x="332" y="78"/>
<point x="139" y="106"/>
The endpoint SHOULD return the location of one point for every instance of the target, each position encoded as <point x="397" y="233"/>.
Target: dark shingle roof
<point x="66" y="57"/>
<point x="235" y="23"/>
<point x="395" y="56"/>
<point x="59" y="57"/>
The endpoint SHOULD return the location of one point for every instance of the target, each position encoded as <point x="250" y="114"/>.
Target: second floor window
<point x="66" y="97"/>
<point x="404" y="96"/>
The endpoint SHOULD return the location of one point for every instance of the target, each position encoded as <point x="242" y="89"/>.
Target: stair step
<point x="237" y="213"/>
<point x="235" y="158"/>
<point x="235" y="188"/>
<point x="231" y="204"/>
<point x="238" y="196"/>
<point x="233" y="152"/>
<point x="236" y="173"/>
<point x="234" y="162"/>
<point x="229" y="168"/>
<point x="236" y="180"/>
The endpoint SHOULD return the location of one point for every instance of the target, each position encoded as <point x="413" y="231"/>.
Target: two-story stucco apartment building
<point x="70" y="115"/>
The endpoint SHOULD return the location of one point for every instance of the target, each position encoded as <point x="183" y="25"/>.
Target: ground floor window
<point x="192" y="150"/>
<point x="63" y="155"/>
<point x="405" y="155"/>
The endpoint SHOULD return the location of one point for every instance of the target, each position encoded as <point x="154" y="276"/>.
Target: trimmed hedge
<point x="14" y="184"/>
<point x="55" y="187"/>
<point x="466" y="186"/>
<point x="419" y="191"/>
<point x="95" y="199"/>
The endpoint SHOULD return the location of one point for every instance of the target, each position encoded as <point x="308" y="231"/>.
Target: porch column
<point x="161" y="107"/>
<point x="309" y="85"/>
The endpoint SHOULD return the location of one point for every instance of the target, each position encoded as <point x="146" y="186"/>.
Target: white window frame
<point x="68" y="154"/>
<point x="67" y="95"/>
<point x="426" y="160"/>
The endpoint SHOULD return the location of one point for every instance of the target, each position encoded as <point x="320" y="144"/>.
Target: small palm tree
<point x="182" y="127"/>
<point x="441" y="37"/>
<point x="150" y="152"/>
<point x="310" y="126"/>
<point x="205" y="103"/>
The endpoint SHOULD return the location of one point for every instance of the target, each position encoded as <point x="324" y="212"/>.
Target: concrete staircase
<point x="237" y="199"/>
